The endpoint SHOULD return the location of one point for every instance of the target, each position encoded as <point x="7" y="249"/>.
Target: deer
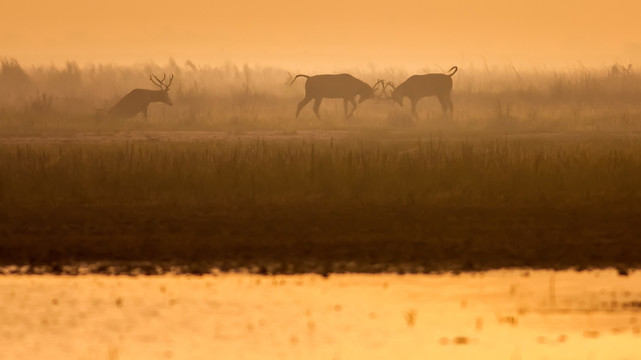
<point x="138" y="100"/>
<point x="335" y="86"/>
<point x="417" y="87"/>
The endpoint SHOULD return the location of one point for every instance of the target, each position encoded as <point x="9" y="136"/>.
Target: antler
<point x="384" y="95"/>
<point x="161" y="83"/>
<point x="379" y="82"/>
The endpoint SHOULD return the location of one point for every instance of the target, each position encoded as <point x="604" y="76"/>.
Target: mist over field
<point x="494" y="98"/>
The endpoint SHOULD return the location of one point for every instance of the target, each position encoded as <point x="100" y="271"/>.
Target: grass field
<point x="309" y="204"/>
<point x="537" y="169"/>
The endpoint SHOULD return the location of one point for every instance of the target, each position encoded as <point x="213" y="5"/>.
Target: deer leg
<point x="345" y="100"/>
<point x="144" y="112"/>
<point x="414" y="101"/>
<point x="444" y="104"/>
<point x="354" y="104"/>
<point x="317" y="103"/>
<point x="302" y="104"/>
<point x="345" y="105"/>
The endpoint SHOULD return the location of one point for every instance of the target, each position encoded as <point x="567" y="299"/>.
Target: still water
<point x="508" y="314"/>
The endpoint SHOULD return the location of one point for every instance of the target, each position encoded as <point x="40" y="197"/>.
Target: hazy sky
<point x="332" y="34"/>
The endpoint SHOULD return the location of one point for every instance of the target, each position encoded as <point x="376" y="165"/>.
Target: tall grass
<point x="483" y="171"/>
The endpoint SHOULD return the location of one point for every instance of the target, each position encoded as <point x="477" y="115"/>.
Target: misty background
<point x="242" y="97"/>
<point x="328" y="36"/>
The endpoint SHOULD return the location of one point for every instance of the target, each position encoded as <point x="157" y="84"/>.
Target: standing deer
<point x="420" y="86"/>
<point x="138" y="100"/>
<point x="334" y="86"/>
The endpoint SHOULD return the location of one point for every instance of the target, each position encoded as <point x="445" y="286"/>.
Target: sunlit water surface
<point x="515" y="314"/>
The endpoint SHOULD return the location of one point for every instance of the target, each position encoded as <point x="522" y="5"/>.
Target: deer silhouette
<point x="335" y="86"/>
<point x="417" y="87"/>
<point x="138" y="100"/>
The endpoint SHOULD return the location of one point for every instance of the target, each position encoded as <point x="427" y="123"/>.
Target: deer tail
<point x="297" y="76"/>
<point x="455" y="68"/>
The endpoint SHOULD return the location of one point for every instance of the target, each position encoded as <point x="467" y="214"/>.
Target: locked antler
<point x="376" y="85"/>
<point x="384" y="95"/>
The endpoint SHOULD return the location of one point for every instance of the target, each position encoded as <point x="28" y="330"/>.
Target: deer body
<point x="334" y="86"/>
<point x="138" y="100"/>
<point x="417" y="87"/>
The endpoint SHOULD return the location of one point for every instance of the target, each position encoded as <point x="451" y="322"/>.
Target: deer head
<point x="374" y="89"/>
<point x="164" y="88"/>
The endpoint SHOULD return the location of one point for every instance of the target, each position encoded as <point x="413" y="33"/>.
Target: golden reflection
<point x="492" y="315"/>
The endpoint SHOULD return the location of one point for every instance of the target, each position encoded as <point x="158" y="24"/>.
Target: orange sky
<point x="330" y="35"/>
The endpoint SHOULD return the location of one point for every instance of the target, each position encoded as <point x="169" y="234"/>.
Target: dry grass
<point x="481" y="171"/>
<point x="312" y="205"/>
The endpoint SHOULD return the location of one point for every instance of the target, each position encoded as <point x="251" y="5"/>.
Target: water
<point x="510" y="314"/>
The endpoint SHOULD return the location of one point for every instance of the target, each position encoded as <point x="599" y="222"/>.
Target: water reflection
<point x="516" y="314"/>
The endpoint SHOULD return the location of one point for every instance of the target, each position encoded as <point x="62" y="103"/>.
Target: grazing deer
<point x="338" y="86"/>
<point x="138" y="100"/>
<point x="420" y="86"/>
